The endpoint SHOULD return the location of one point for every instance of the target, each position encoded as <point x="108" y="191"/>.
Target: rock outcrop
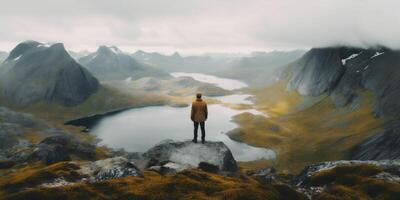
<point x="60" y="148"/>
<point x="35" y="72"/>
<point x="392" y="166"/>
<point x="110" y="168"/>
<point x="177" y="156"/>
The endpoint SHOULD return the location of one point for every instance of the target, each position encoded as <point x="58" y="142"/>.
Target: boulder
<point x="109" y="168"/>
<point x="58" y="148"/>
<point x="49" y="154"/>
<point x="190" y="155"/>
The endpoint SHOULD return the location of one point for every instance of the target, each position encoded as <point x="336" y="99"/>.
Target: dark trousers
<point x="203" y="130"/>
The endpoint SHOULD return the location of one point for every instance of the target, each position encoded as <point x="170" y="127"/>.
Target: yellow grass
<point x="193" y="184"/>
<point x="310" y="129"/>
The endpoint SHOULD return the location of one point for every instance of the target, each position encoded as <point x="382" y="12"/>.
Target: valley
<point x="132" y="125"/>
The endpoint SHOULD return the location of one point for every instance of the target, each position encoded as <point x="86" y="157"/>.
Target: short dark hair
<point x="198" y="95"/>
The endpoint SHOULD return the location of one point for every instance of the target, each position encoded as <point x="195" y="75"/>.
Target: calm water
<point x="139" y="129"/>
<point x="225" y="83"/>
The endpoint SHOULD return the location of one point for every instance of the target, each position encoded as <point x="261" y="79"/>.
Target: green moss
<point x="305" y="130"/>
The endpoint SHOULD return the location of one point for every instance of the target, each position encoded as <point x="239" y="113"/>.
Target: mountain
<point x="346" y="74"/>
<point x="178" y="63"/>
<point x="3" y="56"/>
<point x="78" y="54"/>
<point x="110" y="63"/>
<point x="35" y="72"/>
<point x="259" y="68"/>
<point x="256" y="69"/>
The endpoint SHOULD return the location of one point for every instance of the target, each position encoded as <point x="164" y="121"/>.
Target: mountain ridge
<point x="34" y="71"/>
<point x="344" y="73"/>
<point x="110" y="63"/>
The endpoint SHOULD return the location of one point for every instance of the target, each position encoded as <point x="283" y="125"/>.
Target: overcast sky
<point x="196" y="26"/>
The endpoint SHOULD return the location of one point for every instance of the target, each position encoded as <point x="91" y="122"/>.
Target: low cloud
<point x="195" y="26"/>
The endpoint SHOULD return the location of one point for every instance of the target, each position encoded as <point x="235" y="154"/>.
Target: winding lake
<point x="139" y="129"/>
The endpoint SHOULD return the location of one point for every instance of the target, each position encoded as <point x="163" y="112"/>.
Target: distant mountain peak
<point x="28" y="45"/>
<point x="176" y="54"/>
<point x="109" y="50"/>
<point x="62" y="79"/>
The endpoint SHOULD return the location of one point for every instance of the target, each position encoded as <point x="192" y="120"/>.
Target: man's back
<point x="199" y="111"/>
<point x="199" y="115"/>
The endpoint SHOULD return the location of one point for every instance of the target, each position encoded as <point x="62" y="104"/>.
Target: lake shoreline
<point x="90" y="121"/>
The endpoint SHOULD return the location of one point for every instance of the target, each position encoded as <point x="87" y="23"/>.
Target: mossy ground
<point x="354" y="182"/>
<point x="192" y="184"/>
<point x="305" y="130"/>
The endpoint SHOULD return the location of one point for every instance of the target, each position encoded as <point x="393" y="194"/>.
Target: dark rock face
<point x="207" y="167"/>
<point x="35" y="72"/>
<point x="342" y="72"/>
<point x="187" y="154"/>
<point x="385" y="145"/>
<point x="110" y="63"/>
<point x="316" y="72"/>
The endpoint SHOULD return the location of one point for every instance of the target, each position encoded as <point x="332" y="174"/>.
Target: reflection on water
<point x="225" y="83"/>
<point x="139" y="129"/>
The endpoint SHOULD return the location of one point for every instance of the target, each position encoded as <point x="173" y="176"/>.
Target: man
<point x="199" y="115"/>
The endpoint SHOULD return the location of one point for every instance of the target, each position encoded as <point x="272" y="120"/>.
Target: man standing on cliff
<point x="199" y="115"/>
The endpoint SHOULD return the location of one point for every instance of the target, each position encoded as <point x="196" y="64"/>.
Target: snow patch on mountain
<point x="115" y="50"/>
<point x="349" y="58"/>
<point x="377" y="54"/>
<point x="17" y="58"/>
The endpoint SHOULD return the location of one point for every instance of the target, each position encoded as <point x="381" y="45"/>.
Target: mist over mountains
<point x="3" y="56"/>
<point x="110" y="63"/>
<point x="334" y="103"/>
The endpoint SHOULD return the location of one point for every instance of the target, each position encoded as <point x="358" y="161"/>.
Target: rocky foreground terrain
<point x="184" y="170"/>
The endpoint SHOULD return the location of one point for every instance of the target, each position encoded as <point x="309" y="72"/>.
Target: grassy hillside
<point x="304" y="130"/>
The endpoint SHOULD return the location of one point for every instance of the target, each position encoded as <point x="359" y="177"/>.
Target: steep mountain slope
<point x="3" y="56"/>
<point x="110" y="63"/>
<point x="35" y="72"/>
<point x="345" y="73"/>
<point x="332" y="103"/>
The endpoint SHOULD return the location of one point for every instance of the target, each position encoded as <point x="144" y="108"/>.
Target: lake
<point x="139" y="129"/>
